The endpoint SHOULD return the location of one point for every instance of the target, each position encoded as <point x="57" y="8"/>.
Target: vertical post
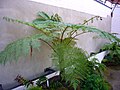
<point x="113" y="10"/>
<point x="105" y="1"/>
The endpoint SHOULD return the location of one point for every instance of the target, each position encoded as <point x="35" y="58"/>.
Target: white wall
<point x="116" y="21"/>
<point x="87" y="6"/>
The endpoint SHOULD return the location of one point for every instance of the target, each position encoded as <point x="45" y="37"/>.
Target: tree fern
<point x="60" y="36"/>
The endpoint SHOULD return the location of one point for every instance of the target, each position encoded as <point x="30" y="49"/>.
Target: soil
<point x="113" y="76"/>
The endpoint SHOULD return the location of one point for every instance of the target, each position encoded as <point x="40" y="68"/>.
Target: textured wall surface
<point x="115" y="27"/>
<point x="88" y="6"/>
<point x="26" y="10"/>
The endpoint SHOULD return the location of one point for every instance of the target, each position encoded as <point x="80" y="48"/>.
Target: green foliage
<point x="41" y="80"/>
<point x="95" y="79"/>
<point x="55" y="85"/>
<point x="35" y="88"/>
<point x="45" y="23"/>
<point x="52" y="26"/>
<point x="96" y="67"/>
<point x="114" y="48"/>
<point x="95" y="82"/>
<point x="22" y="47"/>
<point x="43" y="17"/>
<point x="92" y="19"/>
<point x="100" y="33"/>
<point x="70" y="60"/>
<point x="114" y="53"/>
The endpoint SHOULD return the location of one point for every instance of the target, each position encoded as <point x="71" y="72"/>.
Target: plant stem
<point x="31" y="50"/>
<point x="48" y="44"/>
<point x="86" y="21"/>
<point x="75" y="36"/>
<point x="78" y="34"/>
<point x="63" y="33"/>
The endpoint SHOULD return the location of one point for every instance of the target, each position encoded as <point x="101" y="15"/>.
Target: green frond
<point x="92" y="19"/>
<point x="46" y="27"/>
<point x="43" y="15"/>
<point x="56" y="18"/>
<point x="26" y="23"/>
<point x="19" y="21"/>
<point x="49" y="26"/>
<point x="71" y="61"/>
<point x="95" y="82"/>
<point x="114" y="52"/>
<point x="38" y="20"/>
<point x="99" y="32"/>
<point x="22" y="47"/>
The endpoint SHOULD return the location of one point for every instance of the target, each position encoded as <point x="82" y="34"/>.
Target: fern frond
<point x="71" y="61"/>
<point x="46" y="27"/>
<point x="22" y="47"/>
<point x="43" y="15"/>
<point x="92" y="19"/>
<point x="99" y="32"/>
<point x="26" y="23"/>
<point x="56" y="18"/>
<point x="50" y="26"/>
<point x="18" y="21"/>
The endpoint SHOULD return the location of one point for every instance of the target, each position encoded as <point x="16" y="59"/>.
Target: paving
<point x="113" y="77"/>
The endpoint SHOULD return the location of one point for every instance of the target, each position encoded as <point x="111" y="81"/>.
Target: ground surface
<point x="113" y="77"/>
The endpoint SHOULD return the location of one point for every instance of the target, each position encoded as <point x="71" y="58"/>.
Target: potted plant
<point x="71" y="61"/>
